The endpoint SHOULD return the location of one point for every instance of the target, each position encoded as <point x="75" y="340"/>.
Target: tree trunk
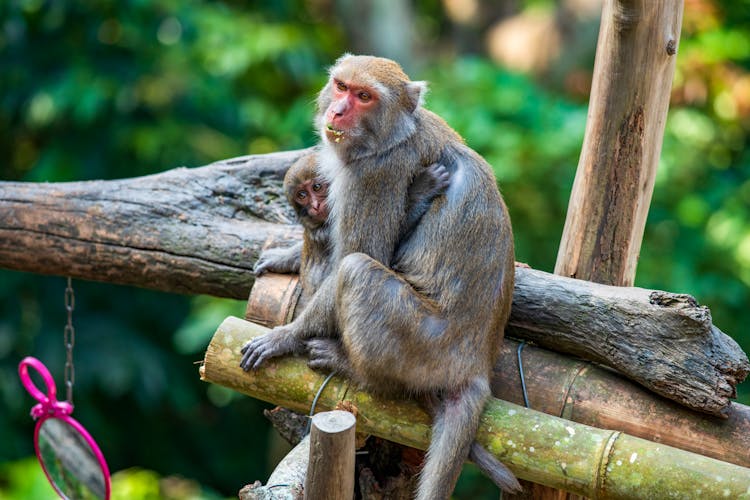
<point x="550" y="450"/>
<point x="662" y="340"/>
<point x="184" y="230"/>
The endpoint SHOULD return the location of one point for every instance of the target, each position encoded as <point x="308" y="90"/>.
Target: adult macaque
<point x="422" y="316"/>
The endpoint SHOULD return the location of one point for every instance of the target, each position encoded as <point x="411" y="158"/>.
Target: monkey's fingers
<point x="252" y="353"/>
<point x="260" y="268"/>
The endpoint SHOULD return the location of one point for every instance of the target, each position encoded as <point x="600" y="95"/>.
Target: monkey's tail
<point x="455" y="423"/>
<point x="494" y="469"/>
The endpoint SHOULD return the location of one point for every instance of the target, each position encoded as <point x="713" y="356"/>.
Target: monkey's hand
<point x="270" y="345"/>
<point x="425" y="187"/>
<point x="279" y="260"/>
<point x="440" y="179"/>
<point x="327" y="354"/>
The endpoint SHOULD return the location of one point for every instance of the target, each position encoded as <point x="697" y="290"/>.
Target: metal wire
<point x="69" y="338"/>
<point x="520" y="371"/>
<point x="315" y="401"/>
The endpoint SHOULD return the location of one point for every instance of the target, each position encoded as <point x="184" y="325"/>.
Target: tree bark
<point x="200" y="231"/>
<point x="614" y="182"/>
<point x="552" y="451"/>
<point x="193" y="230"/>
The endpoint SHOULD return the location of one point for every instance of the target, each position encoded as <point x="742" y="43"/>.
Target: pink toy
<point x="69" y="456"/>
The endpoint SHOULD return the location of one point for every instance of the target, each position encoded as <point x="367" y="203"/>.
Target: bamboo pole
<point x="549" y="450"/>
<point x="567" y="387"/>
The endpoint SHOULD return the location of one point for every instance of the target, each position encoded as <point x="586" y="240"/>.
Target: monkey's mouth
<point x="334" y="133"/>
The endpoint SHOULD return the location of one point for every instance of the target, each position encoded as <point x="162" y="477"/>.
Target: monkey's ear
<point x="415" y="92"/>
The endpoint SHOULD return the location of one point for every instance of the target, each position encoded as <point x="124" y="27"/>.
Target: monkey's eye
<point x="316" y="187"/>
<point x="364" y="96"/>
<point x="301" y="195"/>
<point x="341" y="86"/>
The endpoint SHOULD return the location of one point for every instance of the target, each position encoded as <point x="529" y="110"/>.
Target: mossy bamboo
<point x="549" y="450"/>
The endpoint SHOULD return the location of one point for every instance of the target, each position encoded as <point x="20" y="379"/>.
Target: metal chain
<point x="70" y="340"/>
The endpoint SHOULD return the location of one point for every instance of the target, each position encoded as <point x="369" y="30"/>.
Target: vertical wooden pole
<point x="633" y="73"/>
<point x="330" y="472"/>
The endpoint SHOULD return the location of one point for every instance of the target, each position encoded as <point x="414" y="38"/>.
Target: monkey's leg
<point x="327" y="354"/>
<point x="391" y="333"/>
<point x="315" y="320"/>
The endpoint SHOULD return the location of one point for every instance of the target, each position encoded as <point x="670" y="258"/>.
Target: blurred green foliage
<point x="109" y="89"/>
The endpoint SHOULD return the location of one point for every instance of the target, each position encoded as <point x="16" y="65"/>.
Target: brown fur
<point x="421" y="316"/>
<point x="312" y="258"/>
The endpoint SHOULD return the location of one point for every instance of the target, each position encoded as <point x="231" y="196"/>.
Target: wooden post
<point x="612" y="190"/>
<point x="614" y="182"/>
<point x="330" y="472"/>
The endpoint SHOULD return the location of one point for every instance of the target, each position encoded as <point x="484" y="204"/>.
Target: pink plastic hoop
<point x="49" y="407"/>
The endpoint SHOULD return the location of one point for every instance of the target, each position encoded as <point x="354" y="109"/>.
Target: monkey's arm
<point x="423" y="190"/>
<point x="317" y="319"/>
<point x="279" y="260"/>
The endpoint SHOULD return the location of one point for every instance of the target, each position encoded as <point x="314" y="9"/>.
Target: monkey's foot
<point x="270" y="345"/>
<point x="327" y="355"/>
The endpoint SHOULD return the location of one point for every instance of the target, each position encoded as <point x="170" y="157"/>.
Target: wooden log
<point x="287" y="481"/>
<point x="200" y="231"/>
<point x="196" y="230"/>
<point x="330" y="473"/>
<point x="550" y="450"/>
<point x="664" y="341"/>
<point x="624" y="132"/>
<point x="570" y="388"/>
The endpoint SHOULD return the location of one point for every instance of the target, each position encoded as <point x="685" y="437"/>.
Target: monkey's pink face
<point x="350" y="102"/>
<point x="312" y="196"/>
